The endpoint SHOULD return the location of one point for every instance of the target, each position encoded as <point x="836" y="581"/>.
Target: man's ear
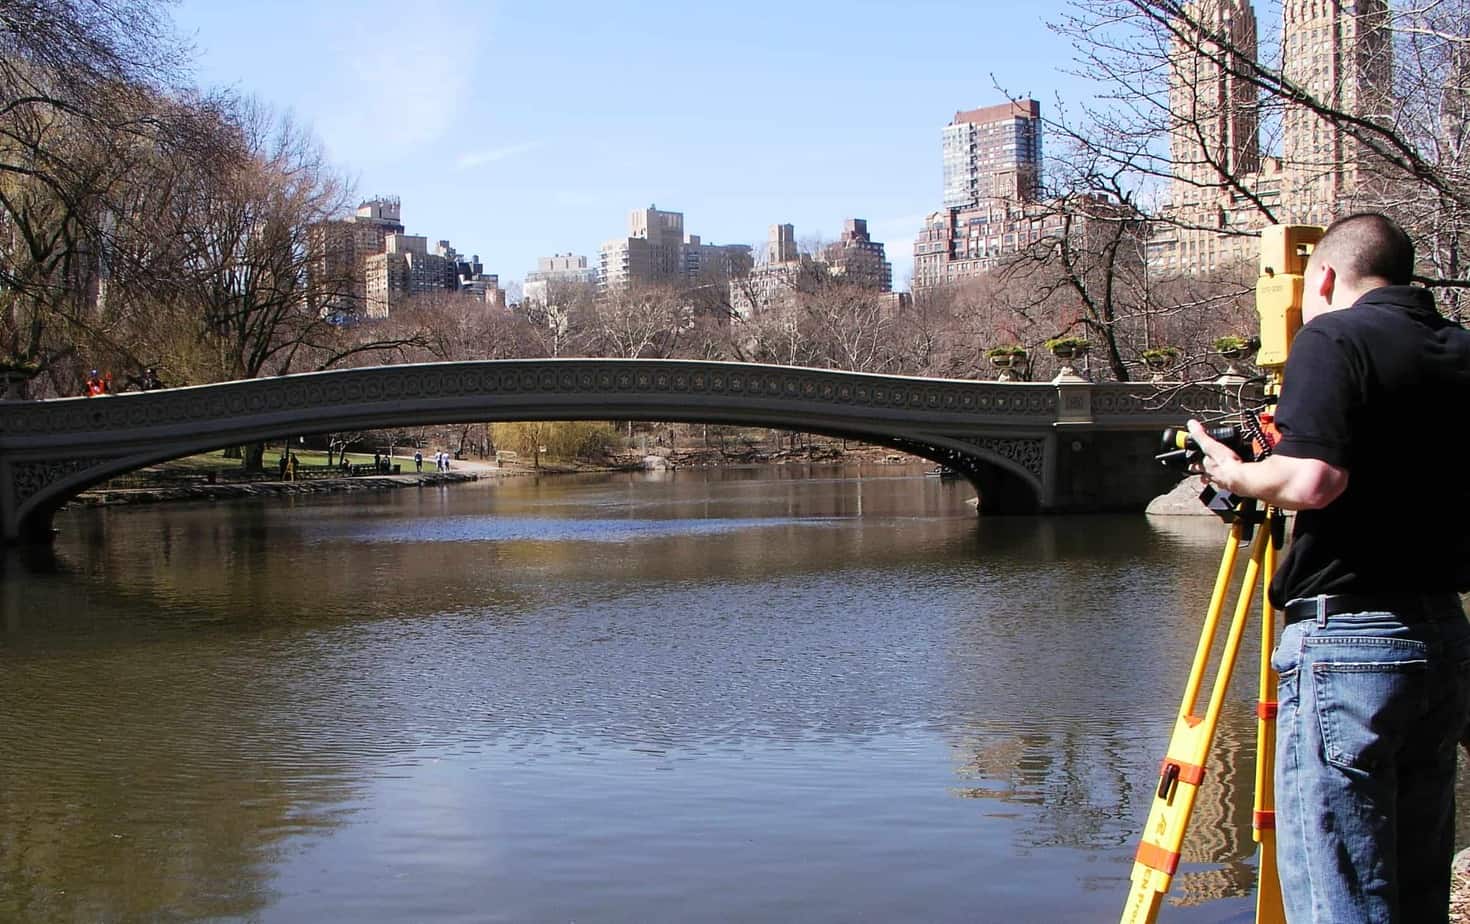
<point x="1327" y="283"/>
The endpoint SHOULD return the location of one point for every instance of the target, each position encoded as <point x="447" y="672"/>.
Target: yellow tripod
<point x="1189" y="748"/>
<point x="1284" y="253"/>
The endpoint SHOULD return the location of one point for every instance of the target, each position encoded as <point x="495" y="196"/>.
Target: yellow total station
<point x="1284" y="253"/>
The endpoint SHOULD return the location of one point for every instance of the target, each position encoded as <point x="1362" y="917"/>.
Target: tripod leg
<point x="1268" y="885"/>
<point x="1183" y="767"/>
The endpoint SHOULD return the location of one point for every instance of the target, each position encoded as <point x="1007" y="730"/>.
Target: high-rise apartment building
<point x="714" y="262"/>
<point x="338" y="249"/>
<point x="365" y="265"/>
<point x="993" y="153"/>
<point x="1220" y="179"/>
<point x="1337" y="51"/>
<point x="383" y="213"/>
<point x="483" y="287"/>
<point x="1340" y="51"/>
<point x="992" y="194"/>
<point x="959" y="244"/>
<point x="558" y="268"/>
<point x="665" y="229"/>
<point x="406" y="268"/>
<point x="774" y="282"/>
<point x="1214" y="111"/>
<point x="657" y="251"/>
<point x="1219" y="232"/>
<point x="471" y="278"/>
<point x="857" y="258"/>
<point x="781" y="245"/>
<point x="1222" y="186"/>
<point x="652" y="252"/>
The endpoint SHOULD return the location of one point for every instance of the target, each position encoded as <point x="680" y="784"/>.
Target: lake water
<point x="796" y="693"/>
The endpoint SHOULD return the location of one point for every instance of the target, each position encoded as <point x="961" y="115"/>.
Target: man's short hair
<point x="1368" y="245"/>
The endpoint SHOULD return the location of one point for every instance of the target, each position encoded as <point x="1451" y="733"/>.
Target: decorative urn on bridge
<point x="1234" y="350"/>
<point x="1010" y="359"/>
<point x="1159" y="360"/>
<point x="1068" y="350"/>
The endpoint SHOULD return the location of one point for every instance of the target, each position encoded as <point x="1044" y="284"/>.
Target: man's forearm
<point x="1289" y="483"/>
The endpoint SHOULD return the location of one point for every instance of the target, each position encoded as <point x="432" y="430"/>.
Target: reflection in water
<point x="1086" y="786"/>
<point x="1096" y="636"/>
<point x="742" y="694"/>
<point x="123" y="794"/>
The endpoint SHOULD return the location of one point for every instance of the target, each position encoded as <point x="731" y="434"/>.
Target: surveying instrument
<point x="1284" y="253"/>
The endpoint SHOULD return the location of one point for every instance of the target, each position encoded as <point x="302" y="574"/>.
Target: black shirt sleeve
<point x="1319" y="399"/>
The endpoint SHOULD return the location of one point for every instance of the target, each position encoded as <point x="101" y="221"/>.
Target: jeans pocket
<point x="1364" y="708"/>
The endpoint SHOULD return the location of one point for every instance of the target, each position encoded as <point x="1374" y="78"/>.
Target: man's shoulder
<point x="1382" y="321"/>
<point x="1395" y="306"/>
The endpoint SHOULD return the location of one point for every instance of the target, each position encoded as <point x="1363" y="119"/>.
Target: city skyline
<point x="781" y="116"/>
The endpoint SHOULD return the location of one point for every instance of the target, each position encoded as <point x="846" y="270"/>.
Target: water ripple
<point x="508" y="529"/>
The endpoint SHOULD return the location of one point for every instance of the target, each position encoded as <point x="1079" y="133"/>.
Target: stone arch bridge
<point x="1067" y="446"/>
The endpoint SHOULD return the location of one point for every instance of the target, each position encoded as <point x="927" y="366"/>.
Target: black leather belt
<point x="1408" y="607"/>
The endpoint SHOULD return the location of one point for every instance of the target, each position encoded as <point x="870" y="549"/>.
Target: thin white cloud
<point x="369" y="112"/>
<point x="471" y="160"/>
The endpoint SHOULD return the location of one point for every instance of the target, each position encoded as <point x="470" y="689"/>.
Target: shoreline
<point x="465" y="471"/>
<point x="164" y="493"/>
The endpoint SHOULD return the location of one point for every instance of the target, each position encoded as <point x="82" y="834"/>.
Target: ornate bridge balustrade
<point x="1026" y="447"/>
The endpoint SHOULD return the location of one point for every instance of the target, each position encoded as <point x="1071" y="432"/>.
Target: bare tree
<point x="559" y="322"/>
<point x="638" y="321"/>
<point x="953" y="325"/>
<point x="1203" y="132"/>
<point x="49" y="249"/>
<point x="710" y="336"/>
<point x="93" y="61"/>
<point x="1185" y="90"/>
<point x="81" y="85"/>
<point x="781" y="335"/>
<point x="142" y="240"/>
<point x="852" y="327"/>
<point x="240" y="257"/>
<point x="1086" y="273"/>
<point x="456" y="326"/>
<point x="243" y="234"/>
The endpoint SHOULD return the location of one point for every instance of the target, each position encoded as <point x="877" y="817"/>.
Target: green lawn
<point x="215" y="461"/>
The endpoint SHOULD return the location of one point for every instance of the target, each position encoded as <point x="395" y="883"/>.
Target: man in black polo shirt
<point x="1375" y="656"/>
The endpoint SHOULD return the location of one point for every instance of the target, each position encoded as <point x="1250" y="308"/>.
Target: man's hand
<point x="1216" y="466"/>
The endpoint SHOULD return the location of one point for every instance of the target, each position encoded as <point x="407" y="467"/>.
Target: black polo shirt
<point x="1381" y="389"/>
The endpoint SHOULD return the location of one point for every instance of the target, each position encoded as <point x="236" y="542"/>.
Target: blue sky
<point x="518" y="130"/>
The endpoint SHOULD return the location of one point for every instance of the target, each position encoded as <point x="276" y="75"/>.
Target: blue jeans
<point x="1371" y="712"/>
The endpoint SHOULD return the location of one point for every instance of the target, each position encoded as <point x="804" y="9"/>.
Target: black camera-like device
<point x="1178" y="450"/>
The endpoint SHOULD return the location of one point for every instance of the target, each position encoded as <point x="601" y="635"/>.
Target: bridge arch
<point x="1002" y="436"/>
